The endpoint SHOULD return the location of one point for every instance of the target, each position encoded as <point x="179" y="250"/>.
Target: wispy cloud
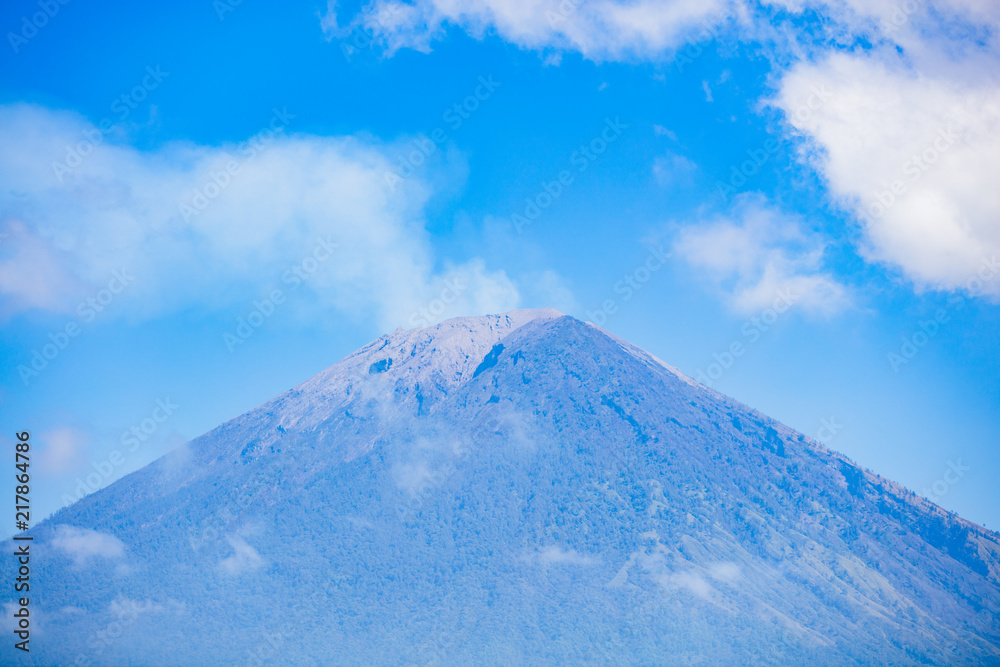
<point x="661" y="131"/>
<point x="83" y="544"/>
<point x="63" y="450"/>
<point x="673" y="169"/>
<point x="213" y="225"/>
<point x="911" y="155"/>
<point x="604" y="30"/>
<point x="243" y="559"/>
<point x="757" y="253"/>
<point x="556" y="555"/>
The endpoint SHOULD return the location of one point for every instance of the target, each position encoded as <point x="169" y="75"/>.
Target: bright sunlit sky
<point x="810" y="185"/>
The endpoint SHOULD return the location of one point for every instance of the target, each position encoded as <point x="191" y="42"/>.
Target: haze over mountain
<point x="521" y="488"/>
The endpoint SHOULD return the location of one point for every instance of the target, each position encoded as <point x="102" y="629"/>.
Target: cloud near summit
<point x="187" y="225"/>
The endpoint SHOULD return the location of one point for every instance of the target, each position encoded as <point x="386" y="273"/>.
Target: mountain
<point x="512" y="489"/>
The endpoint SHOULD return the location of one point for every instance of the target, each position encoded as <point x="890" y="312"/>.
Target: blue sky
<point x="309" y="163"/>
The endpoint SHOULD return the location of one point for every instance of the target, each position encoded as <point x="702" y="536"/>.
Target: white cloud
<point x="724" y="571"/>
<point x="555" y="555"/>
<point x="121" y="209"/>
<point x="608" y="29"/>
<point x="244" y="559"/>
<point x="692" y="582"/>
<point x="933" y="63"/>
<point x="411" y="477"/>
<point x="912" y="155"/>
<point x="549" y="288"/>
<point x="652" y="29"/>
<point x="84" y="544"/>
<point x="661" y="131"/>
<point x="673" y="169"/>
<point x="757" y="255"/>
<point x="920" y="27"/>
<point x="30" y="278"/>
<point x="63" y="450"/>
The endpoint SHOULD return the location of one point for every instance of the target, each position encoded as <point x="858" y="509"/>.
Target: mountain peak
<point x="511" y="319"/>
<point x="442" y="353"/>
<point x="525" y="465"/>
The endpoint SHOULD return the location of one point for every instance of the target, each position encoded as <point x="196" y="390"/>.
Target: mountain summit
<point x="519" y="489"/>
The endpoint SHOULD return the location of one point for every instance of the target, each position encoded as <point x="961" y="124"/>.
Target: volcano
<point x="522" y="489"/>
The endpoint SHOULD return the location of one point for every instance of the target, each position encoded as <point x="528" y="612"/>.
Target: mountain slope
<point x="514" y="489"/>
